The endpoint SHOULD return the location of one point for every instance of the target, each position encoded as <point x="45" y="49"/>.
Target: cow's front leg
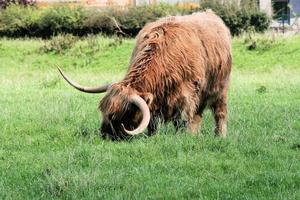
<point x="153" y="126"/>
<point x="179" y="124"/>
<point x="219" y="109"/>
<point x="194" y="125"/>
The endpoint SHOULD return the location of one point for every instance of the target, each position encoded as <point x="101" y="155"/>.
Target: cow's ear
<point x="148" y="97"/>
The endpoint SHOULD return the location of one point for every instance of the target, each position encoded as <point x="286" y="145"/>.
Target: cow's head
<point x="125" y="111"/>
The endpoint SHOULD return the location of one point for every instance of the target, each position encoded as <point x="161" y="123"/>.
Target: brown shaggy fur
<point x="179" y="66"/>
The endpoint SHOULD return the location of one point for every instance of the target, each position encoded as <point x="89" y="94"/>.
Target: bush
<point x="259" y="21"/>
<point x="239" y="19"/>
<point x="19" y="21"/>
<point x="96" y="22"/>
<point x="16" y="20"/>
<point x="63" y="19"/>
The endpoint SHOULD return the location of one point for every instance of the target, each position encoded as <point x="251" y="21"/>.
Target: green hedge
<point x="240" y="19"/>
<point x="20" y="21"/>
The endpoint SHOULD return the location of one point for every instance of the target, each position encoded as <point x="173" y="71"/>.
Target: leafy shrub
<point x="259" y="21"/>
<point x="61" y="19"/>
<point x="15" y="20"/>
<point x="137" y="17"/>
<point x="59" y="44"/>
<point x="239" y="19"/>
<point x="18" y="21"/>
<point x="96" y="22"/>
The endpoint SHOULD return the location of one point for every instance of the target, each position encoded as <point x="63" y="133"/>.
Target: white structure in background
<point x="294" y="12"/>
<point x="290" y="9"/>
<point x="266" y="6"/>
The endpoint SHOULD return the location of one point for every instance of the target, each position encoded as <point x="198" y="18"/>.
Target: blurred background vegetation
<point x="19" y="18"/>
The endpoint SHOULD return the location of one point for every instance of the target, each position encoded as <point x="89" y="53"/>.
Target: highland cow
<point x="179" y="66"/>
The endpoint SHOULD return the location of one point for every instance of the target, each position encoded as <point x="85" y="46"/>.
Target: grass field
<point x="50" y="148"/>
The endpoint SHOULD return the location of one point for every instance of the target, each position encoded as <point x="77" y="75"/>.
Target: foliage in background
<point x="17" y="20"/>
<point x="61" y="20"/>
<point x="20" y="21"/>
<point x="241" y="18"/>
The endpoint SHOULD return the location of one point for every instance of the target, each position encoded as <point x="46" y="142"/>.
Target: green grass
<point x="50" y="148"/>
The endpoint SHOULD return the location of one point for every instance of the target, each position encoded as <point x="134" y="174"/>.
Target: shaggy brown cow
<point x="179" y="66"/>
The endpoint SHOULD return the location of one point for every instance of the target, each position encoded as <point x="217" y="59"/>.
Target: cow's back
<point x="184" y="56"/>
<point x="201" y="36"/>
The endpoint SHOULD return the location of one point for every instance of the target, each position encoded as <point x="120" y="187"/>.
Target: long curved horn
<point x="142" y="105"/>
<point x="99" y="89"/>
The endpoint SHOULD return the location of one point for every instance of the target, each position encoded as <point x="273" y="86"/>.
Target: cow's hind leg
<point x="194" y="125"/>
<point x="219" y="109"/>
